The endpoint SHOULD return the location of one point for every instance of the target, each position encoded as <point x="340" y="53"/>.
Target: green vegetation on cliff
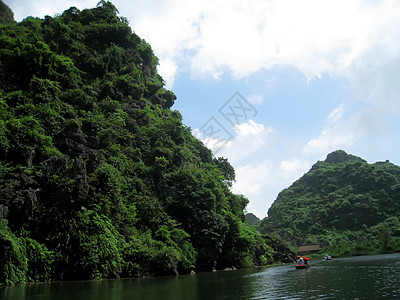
<point x="343" y="203"/>
<point x="6" y="14"/>
<point x="99" y="178"/>
<point x="252" y="219"/>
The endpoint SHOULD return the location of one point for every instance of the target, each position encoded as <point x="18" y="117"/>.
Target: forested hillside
<point x="252" y="219"/>
<point x="343" y="203"/>
<point x="99" y="178"/>
<point x="6" y="14"/>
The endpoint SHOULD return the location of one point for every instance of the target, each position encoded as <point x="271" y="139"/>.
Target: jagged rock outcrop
<point x="18" y="194"/>
<point x="282" y="252"/>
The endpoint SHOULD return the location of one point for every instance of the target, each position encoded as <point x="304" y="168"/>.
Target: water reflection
<point x="368" y="277"/>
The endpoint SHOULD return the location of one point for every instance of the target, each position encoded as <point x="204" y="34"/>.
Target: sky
<point x="273" y="85"/>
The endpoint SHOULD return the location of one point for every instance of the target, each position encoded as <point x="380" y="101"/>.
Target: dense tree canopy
<point x="344" y="203"/>
<point x="98" y="176"/>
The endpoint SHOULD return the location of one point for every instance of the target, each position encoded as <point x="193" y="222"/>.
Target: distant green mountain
<point x="343" y="203"/>
<point x="252" y="219"/>
<point x="6" y="14"/>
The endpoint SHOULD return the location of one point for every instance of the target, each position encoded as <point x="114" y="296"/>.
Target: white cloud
<point x="212" y="143"/>
<point x="355" y="39"/>
<point x="336" y="114"/>
<point x="168" y="68"/>
<point x="250" y="179"/>
<point x="329" y="140"/>
<point x="366" y="122"/>
<point x="293" y="168"/>
<point x="255" y="98"/>
<point x="244" y="37"/>
<point x="261" y="182"/>
<point x="251" y="128"/>
<point x="250" y="137"/>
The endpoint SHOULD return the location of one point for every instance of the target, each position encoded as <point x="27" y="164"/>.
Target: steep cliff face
<point x="6" y="14"/>
<point x="99" y="178"/>
<point x="282" y="253"/>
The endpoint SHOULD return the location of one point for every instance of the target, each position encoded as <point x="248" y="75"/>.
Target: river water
<point x="363" y="277"/>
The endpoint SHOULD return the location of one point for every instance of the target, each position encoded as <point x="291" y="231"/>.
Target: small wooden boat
<point x="302" y="266"/>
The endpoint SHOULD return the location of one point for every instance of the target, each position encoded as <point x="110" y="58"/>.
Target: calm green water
<point x="364" y="277"/>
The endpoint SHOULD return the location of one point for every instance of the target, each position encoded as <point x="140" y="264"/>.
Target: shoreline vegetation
<point x="314" y="258"/>
<point x="99" y="178"/>
<point x="146" y="277"/>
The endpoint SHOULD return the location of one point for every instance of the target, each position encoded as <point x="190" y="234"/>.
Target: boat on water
<point x="302" y="266"/>
<point x="303" y="263"/>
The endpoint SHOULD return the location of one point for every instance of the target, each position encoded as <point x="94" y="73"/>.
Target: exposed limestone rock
<point x="282" y="254"/>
